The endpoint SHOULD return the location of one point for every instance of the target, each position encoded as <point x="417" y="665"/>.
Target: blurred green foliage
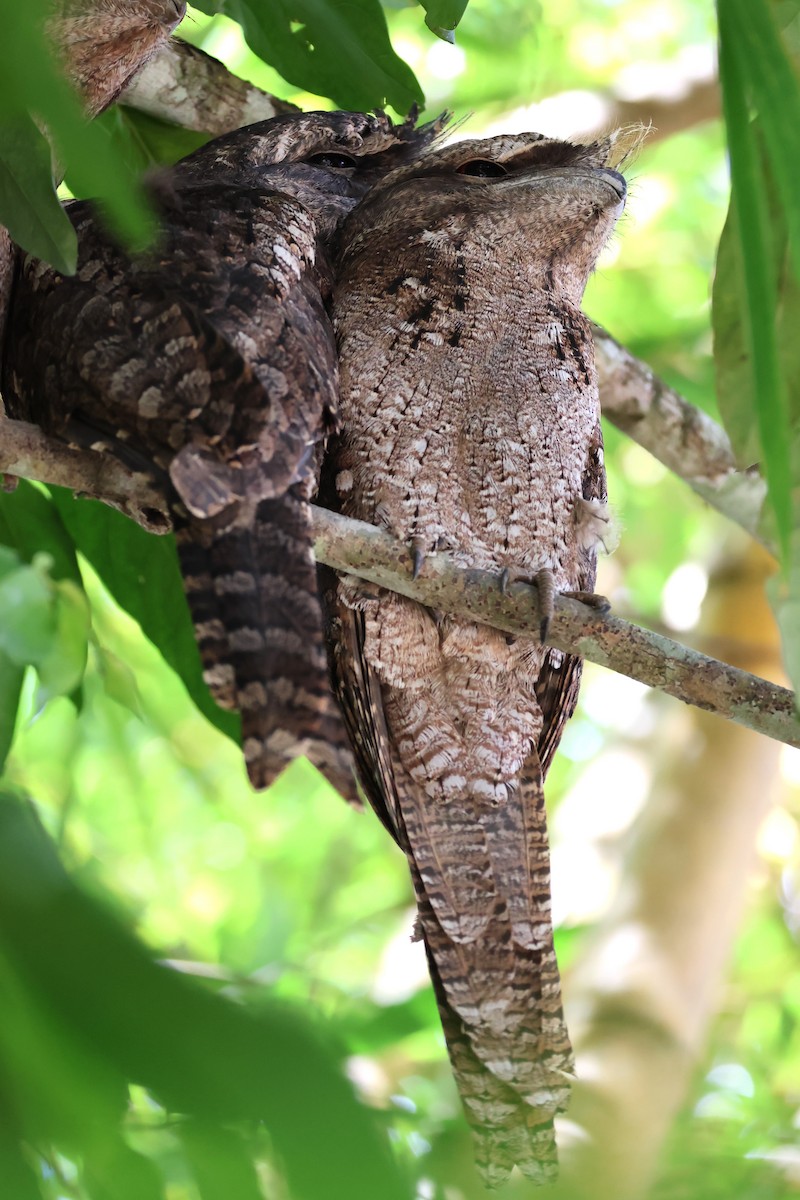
<point x="285" y="917"/>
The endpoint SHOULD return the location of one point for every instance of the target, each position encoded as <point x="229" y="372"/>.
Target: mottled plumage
<point x="470" y="423"/>
<point x="212" y="358"/>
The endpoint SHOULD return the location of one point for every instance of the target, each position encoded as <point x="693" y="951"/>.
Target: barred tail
<point x="251" y="583"/>
<point x="497" y="986"/>
<point x="506" y="1131"/>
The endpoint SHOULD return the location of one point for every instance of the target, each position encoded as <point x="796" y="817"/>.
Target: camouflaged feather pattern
<point x="211" y="360"/>
<point x="470" y="423"/>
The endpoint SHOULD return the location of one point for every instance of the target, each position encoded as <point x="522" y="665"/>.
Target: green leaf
<point x="144" y="141"/>
<point x="28" y="621"/>
<point x="222" y="1168"/>
<point x="113" y="1171"/>
<point x="50" y="628"/>
<point x="9" y="561"/>
<point x="119" y="681"/>
<point x="11" y="678"/>
<point x="29" y="207"/>
<point x="98" y="173"/>
<point x="30" y="83"/>
<point x="775" y="92"/>
<point x="732" y="355"/>
<point x="45" y="625"/>
<point x="758" y="287"/>
<point x="757" y="292"/>
<point x="336" y="48"/>
<point x="442" y="16"/>
<point x="142" y="574"/>
<point x="198" y="1053"/>
<point x="784" y="596"/>
<point x="61" y="669"/>
<point x="19" y="1179"/>
<point x="30" y="523"/>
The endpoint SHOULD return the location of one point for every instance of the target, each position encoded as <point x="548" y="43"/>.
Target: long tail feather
<point x="500" y="1004"/>
<point x="251" y="584"/>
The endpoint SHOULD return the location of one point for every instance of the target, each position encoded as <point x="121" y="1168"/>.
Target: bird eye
<point x="483" y="168"/>
<point x="338" y="161"/>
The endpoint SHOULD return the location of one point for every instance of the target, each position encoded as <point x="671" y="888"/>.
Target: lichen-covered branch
<point x="188" y="87"/>
<point x="27" y="453"/>
<point x="684" y="438"/>
<point x="374" y="555"/>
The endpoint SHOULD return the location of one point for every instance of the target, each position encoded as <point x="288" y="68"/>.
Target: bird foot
<point x="592" y="599"/>
<point x="420" y="549"/>
<point x="418" y="556"/>
<point x="545" y="586"/>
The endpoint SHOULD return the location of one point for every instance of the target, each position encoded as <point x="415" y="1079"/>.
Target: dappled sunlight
<point x="402" y="968"/>
<point x="779" y="836"/>
<point x="683" y="596"/>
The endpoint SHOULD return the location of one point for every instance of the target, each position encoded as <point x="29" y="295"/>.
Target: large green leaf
<point x="336" y="48"/>
<point x="11" y="679"/>
<point x="28" y="624"/>
<point x="757" y="286"/>
<point x="43" y="623"/>
<point x="30" y="524"/>
<point x="86" y="1008"/>
<point x="145" y="141"/>
<point x="757" y="291"/>
<point x="775" y="92"/>
<point x="221" y="1165"/>
<point x="442" y="16"/>
<point x="29" y="207"/>
<point x="141" y="572"/>
<point x="732" y="354"/>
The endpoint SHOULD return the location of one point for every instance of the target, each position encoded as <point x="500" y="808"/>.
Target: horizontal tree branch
<point x="374" y="555"/>
<point x="576" y="628"/>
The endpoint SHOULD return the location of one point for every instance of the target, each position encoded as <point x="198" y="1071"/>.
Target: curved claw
<point x="418" y="557"/>
<point x="546" y="588"/>
<point x="593" y="600"/>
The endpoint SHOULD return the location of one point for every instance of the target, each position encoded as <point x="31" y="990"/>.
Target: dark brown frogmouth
<point x="211" y="359"/>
